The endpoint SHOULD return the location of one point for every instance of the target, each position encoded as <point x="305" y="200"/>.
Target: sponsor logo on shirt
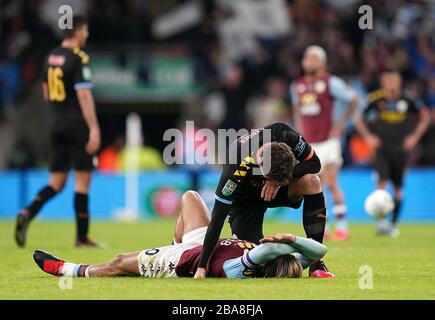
<point x="310" y="105"/>
<point x="55" y="60"/>
<point x="320" y="86"/>
<point x="300" y="146"/>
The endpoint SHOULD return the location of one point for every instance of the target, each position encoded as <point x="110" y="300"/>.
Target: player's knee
<point x="81" y="187"/>
<point x="190" y="195"/>
<point x="310" y="184"/>
<point x="58" y="186"/>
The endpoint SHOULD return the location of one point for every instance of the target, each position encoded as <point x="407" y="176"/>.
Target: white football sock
<point x="69" y="269"/>
<point x="87" y="272"/>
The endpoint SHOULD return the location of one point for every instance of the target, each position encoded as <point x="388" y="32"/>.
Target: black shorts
<point x="68" y="136"/>
<point x="390" y="165"/>
<point x="246" y="217"/>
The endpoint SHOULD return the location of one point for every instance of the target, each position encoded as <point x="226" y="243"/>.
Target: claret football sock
<point x="83" y="271"/>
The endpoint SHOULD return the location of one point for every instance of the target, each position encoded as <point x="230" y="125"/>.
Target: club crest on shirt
<point x="301" y="88"/>
<point x="402" y="106"/>
<point x="229" y="188"/>
<point x="319" y="86"/>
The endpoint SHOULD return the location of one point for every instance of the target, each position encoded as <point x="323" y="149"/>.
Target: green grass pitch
<point x="403" y="268"/>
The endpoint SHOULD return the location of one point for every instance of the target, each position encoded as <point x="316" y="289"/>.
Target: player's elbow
<point x="322" y="251"/>
<point x="317" y="253"/>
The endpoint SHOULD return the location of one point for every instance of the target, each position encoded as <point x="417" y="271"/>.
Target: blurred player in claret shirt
<point x="74" y="130"/>
<point x="394" y="135"/>
<point x="313" y="97"/>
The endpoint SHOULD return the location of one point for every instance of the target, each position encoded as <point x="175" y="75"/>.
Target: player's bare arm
<point x="423" y="124"/>
<point x="45" y="91"/>
<point x="219" y="214"/>
<point x="338" y="128"/>
<point x="361" y="126"/>
<point x="87" y="106"/>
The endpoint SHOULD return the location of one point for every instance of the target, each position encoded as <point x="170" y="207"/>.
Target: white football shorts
<point x="329" y="152"/>
<point x="161" y="262"/>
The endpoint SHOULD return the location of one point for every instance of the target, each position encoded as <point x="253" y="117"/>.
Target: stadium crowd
<point x="247" y="66"/>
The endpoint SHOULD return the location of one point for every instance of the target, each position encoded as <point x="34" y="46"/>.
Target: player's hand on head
<point x="267" y="239"/>
<point x="285" y="237"/>
<point x="200" y="273"/>
<point x="280" y="238"/>
<point x="94" y="141"/>
<point x="270" y="190"/>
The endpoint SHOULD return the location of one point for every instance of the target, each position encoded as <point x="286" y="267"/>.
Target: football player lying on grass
<point x="279" y="256"/>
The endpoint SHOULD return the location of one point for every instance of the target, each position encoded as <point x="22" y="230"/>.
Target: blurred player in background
<point x="393" y="135"/>
<point x="74" y="130"/>
<point x="313" y="98"/>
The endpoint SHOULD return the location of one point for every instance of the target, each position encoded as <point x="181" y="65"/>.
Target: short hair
<point x="77" y="23"/>
<point x="318" y="51"/>
<point x="391" y="71"/>
<point x="282" y="162"/>
<point x="285" y="266"/>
